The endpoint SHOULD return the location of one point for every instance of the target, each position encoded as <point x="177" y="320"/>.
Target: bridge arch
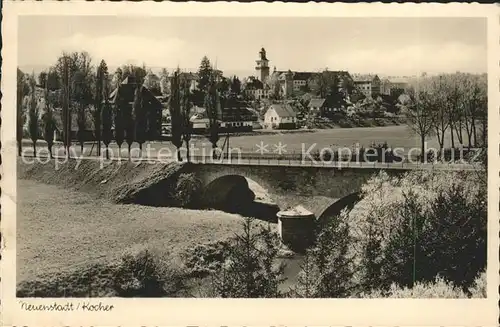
<point x="239" y="194"/>
<point x="335" y="207"/>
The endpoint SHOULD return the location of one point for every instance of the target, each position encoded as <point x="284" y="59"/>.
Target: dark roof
<point x="302" y="75"/>
<point x="232" y="102"/>
<point x="284" y="110"/>
<point x="228" y="113"/>
<point x="254" y="83"/>
<point x="316" y="103"/>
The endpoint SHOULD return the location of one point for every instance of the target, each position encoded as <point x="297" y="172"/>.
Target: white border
<point x="215" y="312"/>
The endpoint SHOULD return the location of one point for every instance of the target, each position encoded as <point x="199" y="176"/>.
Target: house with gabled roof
<point x="254" y="88"/>
<point x="368" y="84"/>
<point x="316" y="106"/>
<point x="280" y="116"/>
<point x="122" y="98"/>
<point x="320" y="107"/>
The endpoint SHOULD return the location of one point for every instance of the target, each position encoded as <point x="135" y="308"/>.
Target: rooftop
<point x="363" y="77"/>
<point x="284" y="110"/>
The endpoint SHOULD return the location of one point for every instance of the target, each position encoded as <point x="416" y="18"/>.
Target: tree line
<point x="74" y="86"/>
<point x="449" y="104"/>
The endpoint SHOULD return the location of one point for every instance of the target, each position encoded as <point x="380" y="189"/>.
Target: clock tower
<point x="262" y="67"/>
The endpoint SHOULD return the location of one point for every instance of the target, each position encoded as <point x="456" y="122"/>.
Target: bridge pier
<point x="296" y="228"/>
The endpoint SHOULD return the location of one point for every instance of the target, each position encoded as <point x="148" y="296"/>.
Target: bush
<point x="205" y="259"/>
<point x="438" y="288"/>
<point x="425" y="223"/>
<point x="142" y="273"/>
<point x="139" y="273"/>
<point x="478" y="289"/>
<point x="187" y="190"/>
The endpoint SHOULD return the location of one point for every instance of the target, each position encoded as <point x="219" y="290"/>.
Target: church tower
<point x="262" y="67"/>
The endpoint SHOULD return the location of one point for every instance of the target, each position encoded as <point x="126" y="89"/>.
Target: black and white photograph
<point x="180" y="160"/>
<point x="252" y="157"/>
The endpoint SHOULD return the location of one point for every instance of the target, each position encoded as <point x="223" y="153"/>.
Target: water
<point x="291" y="272"/>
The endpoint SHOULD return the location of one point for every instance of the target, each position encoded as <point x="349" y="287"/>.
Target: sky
<point x="386" y="46"/>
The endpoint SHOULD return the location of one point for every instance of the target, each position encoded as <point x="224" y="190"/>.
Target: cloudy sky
<point x="387" y="46"/>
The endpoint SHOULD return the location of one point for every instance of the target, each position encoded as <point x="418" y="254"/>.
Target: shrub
<point x="138" y="273"/>
<point x="186" y="190"/>
<point x="142" y="273"/>
<point x="478" y="289"/>
<point x="440" y="288"/>
<point x="205" y="259"/>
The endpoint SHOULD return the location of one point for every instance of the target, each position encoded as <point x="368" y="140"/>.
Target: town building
<point x="394" y="85"/>
<point x="369" y="85"/>
<point x="323" y="107"/>
<point x="123" y="96"/>
<point x="262" y="67"/>
<point x="280" y="116"/>
<point x="235" y="116"/>
<point x="255" y="89"/>
<point x="152" y="81"/>
<point x="295" y="83"/>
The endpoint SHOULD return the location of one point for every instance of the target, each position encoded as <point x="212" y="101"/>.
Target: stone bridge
<point x="322" y="190"/>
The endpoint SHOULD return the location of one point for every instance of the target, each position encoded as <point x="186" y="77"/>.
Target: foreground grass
<point x="60" y="230"/>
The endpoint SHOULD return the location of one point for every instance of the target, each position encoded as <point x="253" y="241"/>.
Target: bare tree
<point x="420" y="117"/>
<point x="439" y="108"/>
<point x="473" y="103"/>
<point x="453" y="104"/>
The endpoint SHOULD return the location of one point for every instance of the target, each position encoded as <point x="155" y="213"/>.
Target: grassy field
<point x="395" y="136"/>
<point x="60" y="230"/>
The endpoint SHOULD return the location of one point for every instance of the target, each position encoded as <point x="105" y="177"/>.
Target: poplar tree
<point x="22" y="90"/>
<point x="139" y="117"/>
<point x="212" y="108"/>
<point x="48" y="122"/>
<point x="107" y="119"/>
<point x="119" y="121"/>
<point x="174" y="107"/>
<point x="186" y="105"/>
<point x="33" y="114"/>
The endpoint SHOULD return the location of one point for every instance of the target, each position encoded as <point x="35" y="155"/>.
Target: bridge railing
<point x="306" y="162"/>
<point x="270" y="161"/>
